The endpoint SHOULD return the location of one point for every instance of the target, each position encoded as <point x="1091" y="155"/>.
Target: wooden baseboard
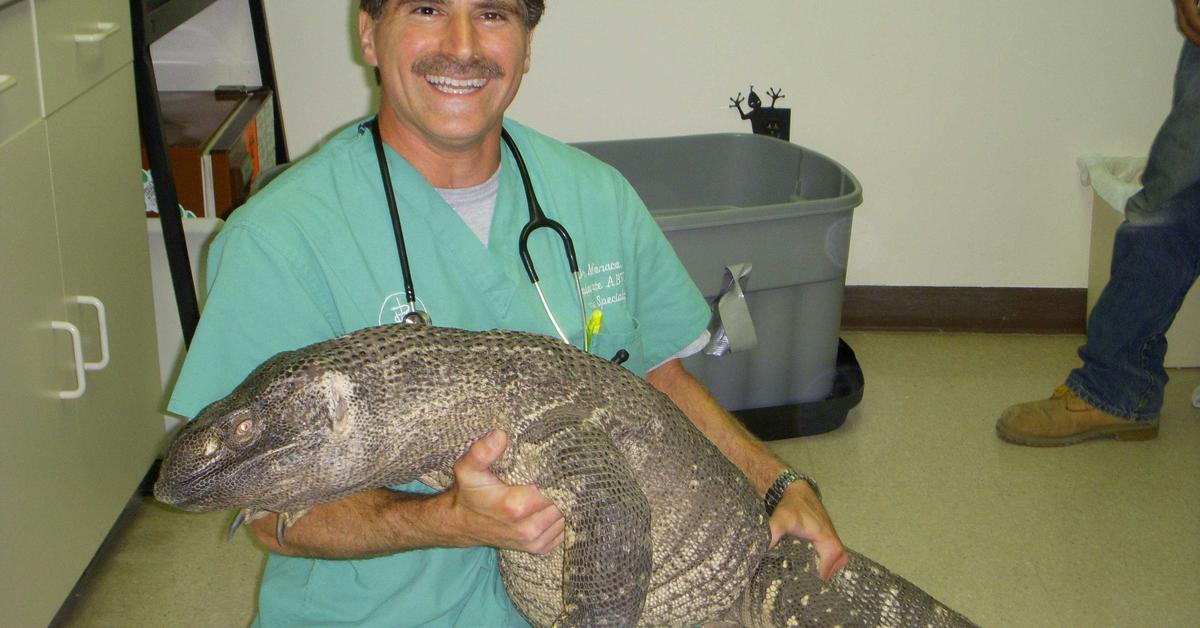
<point x="1013" y="310"/>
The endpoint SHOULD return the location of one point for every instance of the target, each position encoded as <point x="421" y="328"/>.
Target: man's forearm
<point x="748" y="453"/>
<point x="366" y="525"/>
<point x="478" y="509"/>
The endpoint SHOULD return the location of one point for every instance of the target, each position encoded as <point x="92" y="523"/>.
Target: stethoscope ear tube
<point x="537" y="217"/>
<point x="410" y="293"/>
<point x="538" y="220"/>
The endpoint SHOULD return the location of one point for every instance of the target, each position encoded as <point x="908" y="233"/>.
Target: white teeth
<point x="455" y="86"/>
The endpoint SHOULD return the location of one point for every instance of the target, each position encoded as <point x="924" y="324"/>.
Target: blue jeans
<point x="1156" y="259"/>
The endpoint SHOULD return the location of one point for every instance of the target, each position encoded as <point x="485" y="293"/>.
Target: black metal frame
<point x="151" y="19"/>
<point x="163" y="16"/>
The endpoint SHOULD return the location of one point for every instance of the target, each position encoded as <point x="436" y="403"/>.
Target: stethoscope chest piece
<point x="416" y="317"/>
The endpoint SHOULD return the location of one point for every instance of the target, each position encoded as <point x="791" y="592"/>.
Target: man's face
<point x="449" y="68"/>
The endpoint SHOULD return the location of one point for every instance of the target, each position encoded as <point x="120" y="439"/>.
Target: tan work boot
<point x="1065" y="419"/>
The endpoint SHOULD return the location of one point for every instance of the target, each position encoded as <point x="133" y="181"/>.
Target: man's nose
<point x="461" y="40"/>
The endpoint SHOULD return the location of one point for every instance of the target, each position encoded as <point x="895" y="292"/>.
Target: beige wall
<point x="962" y="118"/>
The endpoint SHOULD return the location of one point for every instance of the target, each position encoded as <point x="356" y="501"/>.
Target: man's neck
<point x="442" y="164"/>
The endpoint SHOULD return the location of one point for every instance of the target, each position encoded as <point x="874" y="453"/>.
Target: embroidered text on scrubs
<point x="610" y="278"/>
<point x="596" y="269"/>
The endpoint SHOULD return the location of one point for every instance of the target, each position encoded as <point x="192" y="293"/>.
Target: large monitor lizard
<point x="661" y="528"/>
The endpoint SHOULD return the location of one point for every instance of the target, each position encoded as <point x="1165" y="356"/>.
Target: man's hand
<point x="1189" y="19"/>
<point x="496" y="514"/>
<point x="801" y="514"/>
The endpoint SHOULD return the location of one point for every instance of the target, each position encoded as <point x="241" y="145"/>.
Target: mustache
<point x="442" y="64"/>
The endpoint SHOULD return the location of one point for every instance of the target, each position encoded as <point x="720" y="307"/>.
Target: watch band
<point x="785" y="479"/>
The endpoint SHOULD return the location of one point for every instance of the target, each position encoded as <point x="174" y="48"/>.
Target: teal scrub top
<point x="313" y="256"/>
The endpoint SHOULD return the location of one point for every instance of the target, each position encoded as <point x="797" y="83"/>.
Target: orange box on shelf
<point x="219" y="142"/>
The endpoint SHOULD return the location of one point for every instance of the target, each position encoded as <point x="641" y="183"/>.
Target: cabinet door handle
<point x="77" y="348"/>
<point x="103" y="323"/>
<point x="104" y="30"/>
<point x="6" y="82"/>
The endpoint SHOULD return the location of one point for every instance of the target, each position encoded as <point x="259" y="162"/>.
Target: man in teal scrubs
<point x="313" y="256"/>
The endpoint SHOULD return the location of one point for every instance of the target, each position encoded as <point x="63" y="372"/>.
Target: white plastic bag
<point x="1114" y="179"/>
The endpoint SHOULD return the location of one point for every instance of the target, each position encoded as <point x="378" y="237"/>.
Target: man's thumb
<point x="474" y="467"/>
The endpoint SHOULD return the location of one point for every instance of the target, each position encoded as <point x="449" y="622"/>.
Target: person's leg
<point x="1155" y="263"/>
<point x="1174" y="160"/>
<point x="1156" y="258"/>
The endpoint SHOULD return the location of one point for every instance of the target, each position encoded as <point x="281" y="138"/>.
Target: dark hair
<point x="533" y="10"/>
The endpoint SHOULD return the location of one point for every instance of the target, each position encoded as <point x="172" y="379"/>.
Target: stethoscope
<point x="537" y="220"/>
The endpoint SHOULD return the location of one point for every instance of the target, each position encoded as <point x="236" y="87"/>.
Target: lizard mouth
<point x="190" y="492"/>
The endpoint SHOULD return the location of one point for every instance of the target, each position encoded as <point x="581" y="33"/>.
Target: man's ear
<point x="366" y="38"/>
<point x="528" y="50"/>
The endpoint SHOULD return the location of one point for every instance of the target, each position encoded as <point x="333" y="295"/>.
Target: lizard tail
<point x="787" y="591"/>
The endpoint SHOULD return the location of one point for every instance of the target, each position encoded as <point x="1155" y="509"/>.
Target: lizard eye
<point x="243" y="431"/>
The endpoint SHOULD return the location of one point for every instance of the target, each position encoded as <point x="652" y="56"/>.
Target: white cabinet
<point x="19" y="96"/>
<point x="79" y="43"/>
<point x="73" y="262"/>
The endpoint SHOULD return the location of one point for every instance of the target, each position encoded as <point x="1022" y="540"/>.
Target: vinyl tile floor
<point x="1099" y="534"/>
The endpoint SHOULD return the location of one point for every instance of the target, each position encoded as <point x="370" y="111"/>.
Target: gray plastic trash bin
<point x="730" y="198"/>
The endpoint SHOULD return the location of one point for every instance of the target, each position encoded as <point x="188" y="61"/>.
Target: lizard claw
<point x="237" y="523"/>
<point x="245" y="515"/>
<point x="280" y="529"/>
<point x="287" y="520"/>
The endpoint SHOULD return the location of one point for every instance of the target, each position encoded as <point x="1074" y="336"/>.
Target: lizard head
<point x="283" y="440"/>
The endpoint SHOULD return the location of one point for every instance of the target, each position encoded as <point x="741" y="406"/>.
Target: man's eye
<point x="425" y="10"/>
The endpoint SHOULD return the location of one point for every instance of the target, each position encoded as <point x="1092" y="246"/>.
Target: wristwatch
<point x="785" y="479"/>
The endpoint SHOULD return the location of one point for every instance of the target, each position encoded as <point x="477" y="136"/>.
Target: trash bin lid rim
<point x="723" y="215"/>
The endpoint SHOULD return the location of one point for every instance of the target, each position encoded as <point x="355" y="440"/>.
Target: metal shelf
<point x="151" y="20"/>
<point x="162" y="16"/>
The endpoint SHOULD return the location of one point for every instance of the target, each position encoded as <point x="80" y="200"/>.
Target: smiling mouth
<point x="458" y="87"/>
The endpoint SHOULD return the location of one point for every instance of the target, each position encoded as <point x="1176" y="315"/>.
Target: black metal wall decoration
<point x="765" y="120"/>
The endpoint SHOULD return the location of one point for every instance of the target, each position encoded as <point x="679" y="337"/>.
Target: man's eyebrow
<point x="400" y="3"/>
<point x="505" y="5"/>
<point x="498" y="5"/>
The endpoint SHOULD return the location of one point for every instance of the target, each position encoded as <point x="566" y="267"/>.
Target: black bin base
<point x="815" y="417"/>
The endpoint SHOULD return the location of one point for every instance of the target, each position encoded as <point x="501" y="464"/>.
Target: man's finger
<point x="1188" y="17"/>
<point x="547" y="516"/>
<point x="833" y="558"/>
<point x="832" y="555"/>
<point x="1191" y="32"/>
<point x="551" y="538"/>
<point x="777" y="534"/>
